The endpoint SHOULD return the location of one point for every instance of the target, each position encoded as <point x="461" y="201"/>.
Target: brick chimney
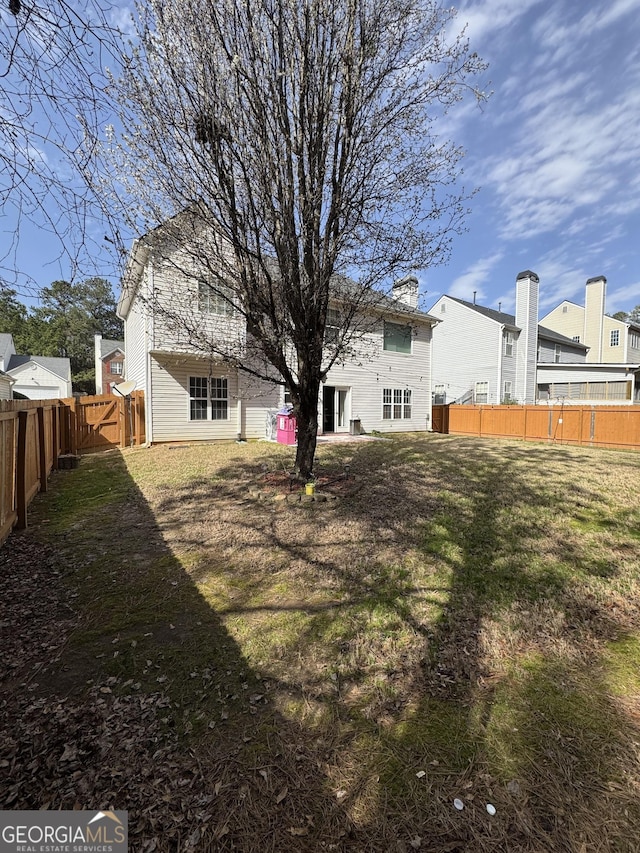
<point x="527" y="347"/>
<point x="406" y="290"/>
<point x="594" y="303"/>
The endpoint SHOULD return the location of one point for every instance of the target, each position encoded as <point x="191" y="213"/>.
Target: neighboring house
<point x="109" y="364"/>
<point x="610" y="341"/>
<point x="40" y="377"/>
<point x="481" y="355"/>
<point x="7" y="349"/>
<point x="6" y="385"/>
<point x="191" y="396"/>
<point x="36" y="377"/>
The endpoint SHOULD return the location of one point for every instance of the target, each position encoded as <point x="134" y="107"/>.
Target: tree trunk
<point x="307" y="422"/>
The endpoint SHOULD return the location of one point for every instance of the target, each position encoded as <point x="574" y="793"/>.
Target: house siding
<point x="380" y="370"/>
<point x="466" y="348"/>
<point x="170" y="410"/>
<point x="5" y="388"/>
<point x="547" y="353"/>
<point x="36" y="383"/>
<point x="178" y="313"/>
<point x="569" y="323"/>
<point x="135" y="335"/>
<point x="615" y="354"/>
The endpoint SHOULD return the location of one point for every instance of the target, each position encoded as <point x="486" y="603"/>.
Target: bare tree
<point x="300" y="137"/>
<point x="52" y="100"/>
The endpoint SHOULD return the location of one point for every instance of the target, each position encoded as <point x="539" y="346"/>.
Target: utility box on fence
<point x="286" y="431"/>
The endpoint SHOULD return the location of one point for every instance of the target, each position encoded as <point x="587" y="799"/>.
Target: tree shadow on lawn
<point x="518" y="687"/>
<point x="424" y="639"/>
<point x="139" y="698"/>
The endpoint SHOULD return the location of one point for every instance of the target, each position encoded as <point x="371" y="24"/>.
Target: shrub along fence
<point x="592" y="426"/>
<point x="39" y="436"/>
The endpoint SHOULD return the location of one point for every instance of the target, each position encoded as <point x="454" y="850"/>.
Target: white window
<point x="219" y="400"/>
<point x="198" y="398"/>
<point x="115" y="367"/>
<point x="576" y="338"/>
<point x="634" y="340"/>
<point x="615" y="338"/>
<point x="439" y="395"/>
<point x="564" y="309"/>
<point x="482" y="392"/>
<point x="507" y="396"/>
<point x="509" y="338"/>
<point x="397" y="338"/>
<point x="443" y="308"/>
<point x="208" y="399"/>
<point x="332" y="326"/>
<point x="556" y="353"/>
<point x="406" y="404"/>
<point x="216" y="301"/>
<point x="396" y="404"/>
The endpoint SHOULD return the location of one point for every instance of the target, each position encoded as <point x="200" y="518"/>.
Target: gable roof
<point x="59" y="366"/>
<point x="510" y="320"/>
<point x="491" y="313"/>
<point x="341" y="286"/>
<point x="109" y="347"/>
<point x="550" y="335"/>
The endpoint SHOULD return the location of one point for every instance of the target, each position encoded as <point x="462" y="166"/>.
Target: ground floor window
<point x="208" y="398"/>
<point x="396" y="404"/>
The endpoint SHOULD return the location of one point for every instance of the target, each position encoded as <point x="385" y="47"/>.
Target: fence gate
<point x="98" y="422"/>
<point x="440" y="418"/>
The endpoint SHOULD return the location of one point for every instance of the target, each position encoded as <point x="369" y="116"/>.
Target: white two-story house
<point x="192" y="393"/>
<point x="484" y="356"/>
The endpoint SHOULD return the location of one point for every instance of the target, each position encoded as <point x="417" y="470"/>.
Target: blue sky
<point x="555" y="153"/>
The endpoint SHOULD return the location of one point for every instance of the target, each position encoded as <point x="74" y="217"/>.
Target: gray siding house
<point x="194" y="395"/>
<point x="481" y="355"/>
<point x="485" y="356"/>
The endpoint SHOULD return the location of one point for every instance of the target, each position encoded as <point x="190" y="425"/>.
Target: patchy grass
<point x="464" y="622"/>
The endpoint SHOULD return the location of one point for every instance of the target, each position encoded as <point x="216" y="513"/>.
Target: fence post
<point x="73" y="426"/>
<point x="122" y="420"/>
<point x="42" y="450"/>
<point x="21" y="471"/>
<point x="55" y="436"/>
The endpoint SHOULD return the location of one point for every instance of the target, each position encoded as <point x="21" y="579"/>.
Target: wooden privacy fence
<point x="36" y="435"/>
<point x="593" y="426"/>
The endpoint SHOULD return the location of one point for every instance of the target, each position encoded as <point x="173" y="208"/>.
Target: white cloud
<point x="471" y="280"/>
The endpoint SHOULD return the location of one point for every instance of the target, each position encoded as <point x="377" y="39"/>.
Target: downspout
<point x="499" y="376"/>
<point x="239" y="436"/>
<point x="149" y="333"/>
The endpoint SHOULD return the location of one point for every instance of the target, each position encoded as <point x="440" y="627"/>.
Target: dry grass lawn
<point x="463" y="623"/>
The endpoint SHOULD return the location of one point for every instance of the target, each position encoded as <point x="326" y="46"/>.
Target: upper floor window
<point x="439" y="395"/>
<point x="634" y="340"/>
<point x="397" y="338"/>
<point x="509" y="338"/>
<point x="557" y="353"/>
<point x="115" y="367"/>
<point x="615" y="338"/>
<point x="576" y="338"/>
<point x="212" y="301"/>
<point x="482" y="392"/>
<point x="332" y="326"/>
